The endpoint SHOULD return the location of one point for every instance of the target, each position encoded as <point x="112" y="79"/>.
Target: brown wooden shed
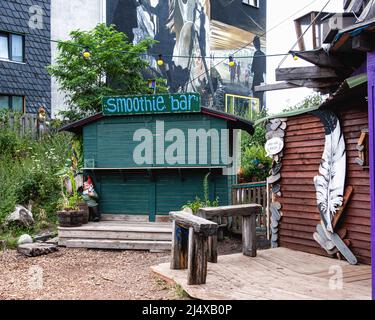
<point x="294" y="191"/>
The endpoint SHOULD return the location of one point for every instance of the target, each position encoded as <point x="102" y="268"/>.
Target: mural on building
<point x="195" y="47"/>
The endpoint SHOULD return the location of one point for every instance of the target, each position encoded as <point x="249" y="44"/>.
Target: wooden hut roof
<point x="235" y="122"/>
<point x="351" y="88"/>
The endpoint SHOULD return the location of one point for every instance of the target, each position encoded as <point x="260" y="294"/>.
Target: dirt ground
<point x="75" y="274"/>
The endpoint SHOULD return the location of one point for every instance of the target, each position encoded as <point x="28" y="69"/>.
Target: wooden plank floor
<point x="276" y="274"/>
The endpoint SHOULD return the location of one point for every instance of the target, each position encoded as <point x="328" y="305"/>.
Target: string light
<point x="86" y="54"/>
<point x="160" y="61"/>
<point x="232" y="64"/>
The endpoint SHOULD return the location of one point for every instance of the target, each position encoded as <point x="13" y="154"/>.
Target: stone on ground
<point x="24" y="239"/>
<point x="22" y="216"/>
<point x="36" y="249"/>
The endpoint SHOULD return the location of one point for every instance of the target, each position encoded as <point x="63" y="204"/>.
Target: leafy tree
<point x="114" y="68"/>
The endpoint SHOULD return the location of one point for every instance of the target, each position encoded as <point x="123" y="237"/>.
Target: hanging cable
<point x="250" y="43"/>
<point x="307" y="29"/>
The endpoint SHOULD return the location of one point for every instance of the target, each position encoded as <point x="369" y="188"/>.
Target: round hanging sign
<point x="274" y="146"/>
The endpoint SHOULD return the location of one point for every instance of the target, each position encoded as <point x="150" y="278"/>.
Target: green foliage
<point x="69" y="200"/>
<point x="27" y="174"/>
<point x="311" y="101"/>
<point x="114" y="68"/>
<point x="198" y="203"/>
<point x="179" y="292"/>
<point x="255" y="164"/>
<point x="258" y="139"/>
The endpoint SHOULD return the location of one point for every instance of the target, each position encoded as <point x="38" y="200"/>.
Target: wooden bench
<point x="194" y="241"/>
<point x="249" y="213"/>
<point x="190" y="245"/>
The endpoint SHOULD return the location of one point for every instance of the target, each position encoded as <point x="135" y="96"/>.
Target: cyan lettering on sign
<point x="152" y="104"/>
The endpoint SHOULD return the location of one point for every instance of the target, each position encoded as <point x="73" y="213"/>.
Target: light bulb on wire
<point x="232" y="63"/>
<point x="160" y="60"/>
<point x="86" y="54"/>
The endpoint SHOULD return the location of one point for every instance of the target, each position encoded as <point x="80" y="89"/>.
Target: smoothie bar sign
<point x="151" y="104"/>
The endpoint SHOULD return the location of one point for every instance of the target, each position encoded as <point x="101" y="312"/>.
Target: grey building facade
<point x="25" y="51"/>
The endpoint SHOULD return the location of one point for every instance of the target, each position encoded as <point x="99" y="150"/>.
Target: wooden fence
<point x="22" y="125"/>
<point x="251" y="193"/>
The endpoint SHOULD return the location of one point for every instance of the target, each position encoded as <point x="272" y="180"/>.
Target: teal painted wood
<point x="109" y="142"/>
<point x="152" y="200"/>
<point x="137" y="194"/>
<point x="124" y="193"/>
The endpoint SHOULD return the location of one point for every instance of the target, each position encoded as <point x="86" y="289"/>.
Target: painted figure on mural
<point x="180" y="27"/>
<point x="239" y="72"/>
<point x="258" y="68"/>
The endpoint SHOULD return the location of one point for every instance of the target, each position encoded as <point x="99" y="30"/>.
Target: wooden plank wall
<point x="303" y="151"/>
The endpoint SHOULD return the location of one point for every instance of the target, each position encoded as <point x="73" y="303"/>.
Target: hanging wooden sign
<point x="274" y="146"/>
<point x="151" y="104"/>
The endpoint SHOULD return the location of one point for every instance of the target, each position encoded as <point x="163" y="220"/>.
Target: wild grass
<point x="28" y="177"/>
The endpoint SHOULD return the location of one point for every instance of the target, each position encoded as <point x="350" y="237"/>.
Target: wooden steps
<point x="119" y="244"/>
<point x="118" y="235"/>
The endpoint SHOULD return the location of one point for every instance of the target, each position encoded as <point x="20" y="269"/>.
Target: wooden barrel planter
<point x="86" y="213"/>
<point x="70" y="219"/>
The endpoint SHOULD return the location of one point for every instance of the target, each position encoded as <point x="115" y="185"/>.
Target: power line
<point x="250" y="43"/>
<point x="188" y="57"/>
<point x="307" y="29"/>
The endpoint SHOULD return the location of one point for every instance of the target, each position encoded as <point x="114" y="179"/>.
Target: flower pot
<point x="86" y="213"/>
<point x="70" y="219"/>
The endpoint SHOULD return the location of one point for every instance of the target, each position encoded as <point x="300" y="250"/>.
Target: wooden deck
<point x="118" y="235"/>
<point x="276" y="274"/>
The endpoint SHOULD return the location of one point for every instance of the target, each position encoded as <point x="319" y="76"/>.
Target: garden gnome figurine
<point x="41" y="121"/>
<point x="90" y="197"/>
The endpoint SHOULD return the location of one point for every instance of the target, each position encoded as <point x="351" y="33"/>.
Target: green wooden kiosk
<point x="154" y="188"/>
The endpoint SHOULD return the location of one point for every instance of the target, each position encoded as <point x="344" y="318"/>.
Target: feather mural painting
<point x="330" y="185"/>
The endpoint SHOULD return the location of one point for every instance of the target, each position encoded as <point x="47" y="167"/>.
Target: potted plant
<point x="71" y="214"/>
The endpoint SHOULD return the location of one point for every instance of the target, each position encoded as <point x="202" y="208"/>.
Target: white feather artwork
<point x="330" y="184"/>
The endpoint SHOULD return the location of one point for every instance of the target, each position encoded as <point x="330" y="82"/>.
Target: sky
<point x="281" y="40"/>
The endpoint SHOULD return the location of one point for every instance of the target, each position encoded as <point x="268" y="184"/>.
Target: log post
<point x="212" y="249"/>
<point x="179" y="259"/>
<point x="249" y="236"/>
<point x="198" y="258"/>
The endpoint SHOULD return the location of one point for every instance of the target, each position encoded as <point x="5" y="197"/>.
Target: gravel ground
<point x="75" y="274"/>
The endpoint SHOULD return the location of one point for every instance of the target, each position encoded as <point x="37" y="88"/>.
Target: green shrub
<point x="28" y="174"/>
<point x="198" y="203"/>
<point x="255" y="164"/>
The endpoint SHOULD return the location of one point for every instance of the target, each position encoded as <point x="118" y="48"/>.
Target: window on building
<point x="12" y="47"/>
<point x="13" y="103"/>
<point x="253" y="3"/>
